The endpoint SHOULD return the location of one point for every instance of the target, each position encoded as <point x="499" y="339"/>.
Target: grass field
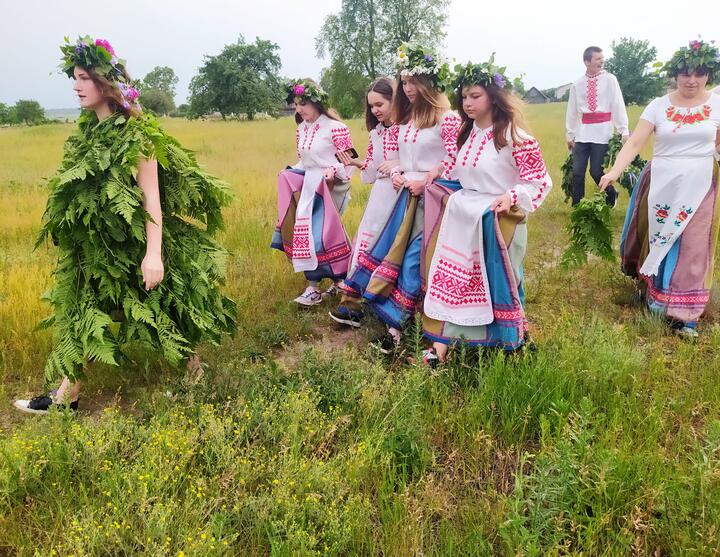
<point x="300" y="440"/>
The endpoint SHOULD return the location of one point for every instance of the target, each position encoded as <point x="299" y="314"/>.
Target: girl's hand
<point x="386" y="167"/>
<point x="502" y="204"/>
<point x="416" y="188"/>
<point x="608" y="179"/>
<point x="398" y="181"/>
<point x="329" y="175"/>
<point x="432" y="175"/>
<point x="153" y="270"/>
<point x="347" y="160"/>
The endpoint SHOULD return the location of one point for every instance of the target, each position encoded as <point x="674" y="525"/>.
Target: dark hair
<point x="321" y="108"/>
<point x="589" y="51"/>
<point x="699" y="70"/>
<point x="506" y="111"/>
<point x="384" y="87"/>
<point x="428" y="107"/>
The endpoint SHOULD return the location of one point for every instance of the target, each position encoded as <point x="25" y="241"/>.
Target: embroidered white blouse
<point x="317" y="142"/>
<point x="518" y="168"/>
<point x="382" y="147"/>
<point x="595" y="108"/>
<point x="420" y="150"/>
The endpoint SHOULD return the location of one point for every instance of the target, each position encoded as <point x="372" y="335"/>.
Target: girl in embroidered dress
<point x="314" y="192"/>
<point x="381" y="158"/>
<point x="119" y="213"/>
<point x="474" y="276"/>
<point x="426" y="150"/>
<point x="670" y="233"/>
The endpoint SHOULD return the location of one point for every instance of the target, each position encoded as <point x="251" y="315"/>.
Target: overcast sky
<point x="542" y="39"/>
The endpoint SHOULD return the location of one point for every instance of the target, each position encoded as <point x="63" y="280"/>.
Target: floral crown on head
<point x="484" y="74"/>
<point x="306" y="90"/>
<point x="99" y="55"/>
<point x="697" y="55"/>
<point x="415" y="60"/>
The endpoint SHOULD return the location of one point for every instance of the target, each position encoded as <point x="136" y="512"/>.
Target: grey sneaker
<point x="311" y="297"/>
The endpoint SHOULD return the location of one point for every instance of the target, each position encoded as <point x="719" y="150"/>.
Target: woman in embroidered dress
<point x="475" y="276"/>
<point x="426" y="150"/>
<point x="314" y="192"/>
<point x="670" y="233"/>
<point x="381" y="158"/>
<point x="118" y="213"/>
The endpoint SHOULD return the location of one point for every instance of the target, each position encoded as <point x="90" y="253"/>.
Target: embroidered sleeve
<point x="619" y="112"/>
<point x="367" y="170"/>
<point x="299" y="163"/>
<point x="341" y="138"/>
<point x="534" y="182"/>
<point x="449" y="130"/>
<point x="571" y="116"/>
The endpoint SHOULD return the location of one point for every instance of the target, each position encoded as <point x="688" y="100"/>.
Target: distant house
<point x="536" y="96"/>
<point x="561" y="92"/>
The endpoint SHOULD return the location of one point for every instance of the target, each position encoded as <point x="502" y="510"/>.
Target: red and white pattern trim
<point x="404" y="301"/>
<point x="387" y="273"/>
<point x="592" y="93"/>
<point x="457" y="285"/>
<point x="341" y="138"/>
<point x="390" y="138"/>
<point x="301" y="241"/>
<point x="368" y="155"/>
<point x="449" y="130"/>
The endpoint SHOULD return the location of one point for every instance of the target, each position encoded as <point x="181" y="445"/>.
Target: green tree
<point x="346" y="89"/>
<point x="161" y="78"/>
<point x="157" y="101"/>
<point x="5" y="114"/>
<point x="631" y="64"/>
<point x="29" y="112"/>
<point x="242" y="79"/>
<point x="362" y="38"/>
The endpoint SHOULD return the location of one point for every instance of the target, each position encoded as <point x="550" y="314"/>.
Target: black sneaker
<point x="346" y="316"/>
<point x="387" y="344"/>
<point x="41" y="405"/>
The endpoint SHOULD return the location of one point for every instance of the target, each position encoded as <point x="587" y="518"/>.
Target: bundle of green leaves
<point x="95" y="216"/>
<point x="590" y="232"/>
<point x="631" y="174"/>
<point x="567" y="176"/>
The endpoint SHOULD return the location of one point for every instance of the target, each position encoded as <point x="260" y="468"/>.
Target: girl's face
<point x="379" y="106"/>
<point x="409" y="88"/>
<point x="691" y="84"/>
<point x="476" y="102"/>
<point x="306" y="110"/>
<point x="88" y="92"/>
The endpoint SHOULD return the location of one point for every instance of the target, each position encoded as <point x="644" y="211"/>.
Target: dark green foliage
<point x="632" y="172"/>
<point x="631" y="65"/>
<point x="95" y="216"/>
<point x="567" y="176"/>
<point x="590" y="232"/>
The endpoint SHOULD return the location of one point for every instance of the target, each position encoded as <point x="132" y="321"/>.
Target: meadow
<point x="300" y="439"/>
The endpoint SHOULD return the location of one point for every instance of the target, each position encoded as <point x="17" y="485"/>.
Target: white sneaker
<point x="311" y="297"/>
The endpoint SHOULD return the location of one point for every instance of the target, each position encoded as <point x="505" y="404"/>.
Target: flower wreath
<point x="415" y="60"/>
<point x="306" y="90"/>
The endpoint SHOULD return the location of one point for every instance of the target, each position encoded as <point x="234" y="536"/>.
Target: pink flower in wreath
<point x="299" y="90"/>
<point x="695" y="44"/>
<point x="132" y="94"/>
<point x="106" y="45"/>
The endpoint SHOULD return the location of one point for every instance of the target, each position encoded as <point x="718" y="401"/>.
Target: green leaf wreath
<point x="95" y="217"/>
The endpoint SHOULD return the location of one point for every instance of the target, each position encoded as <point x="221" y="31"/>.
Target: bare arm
<point x="152" y="267"/>
<point x="627" y="154"/>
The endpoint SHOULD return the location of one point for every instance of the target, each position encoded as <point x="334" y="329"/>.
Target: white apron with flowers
<point x="682" y="167"/>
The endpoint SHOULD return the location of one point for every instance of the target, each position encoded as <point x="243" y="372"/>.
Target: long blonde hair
<point x="428" y="108"/>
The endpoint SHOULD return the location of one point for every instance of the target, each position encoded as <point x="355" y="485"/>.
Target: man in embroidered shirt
<point x="595" y="108"/>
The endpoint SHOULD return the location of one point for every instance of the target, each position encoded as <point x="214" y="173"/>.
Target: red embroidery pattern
<point x="469" y="147"/>
<point x="487" y="137"/>
<point x="592" y="93"/>
<point x="341" y="138"/>
<point x="449" y="131"/>
<point x="457" y="285"/>
<point x="403" y="300"/>
<point x="508" y="315"/>
<point x="677" y="299"/>
<point x="513" y="196"/>
<point x="386" y="272"/>
<point x="700" y="115"/>
<point x="301" y="241"/>
<point x="531" y="167"/>
<point x="334" y="254"/>
<point x="297" y="141"/>
<point x="369" y="155"/>
<point x="308" y="146"/>
<point x="390" y="140"/>
<point x="366" y="262"/>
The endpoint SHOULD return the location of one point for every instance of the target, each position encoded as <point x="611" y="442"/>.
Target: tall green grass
<point x="299" y="440"/>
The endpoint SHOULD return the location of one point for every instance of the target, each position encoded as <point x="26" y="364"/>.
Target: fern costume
<point x="95" y="216"/>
